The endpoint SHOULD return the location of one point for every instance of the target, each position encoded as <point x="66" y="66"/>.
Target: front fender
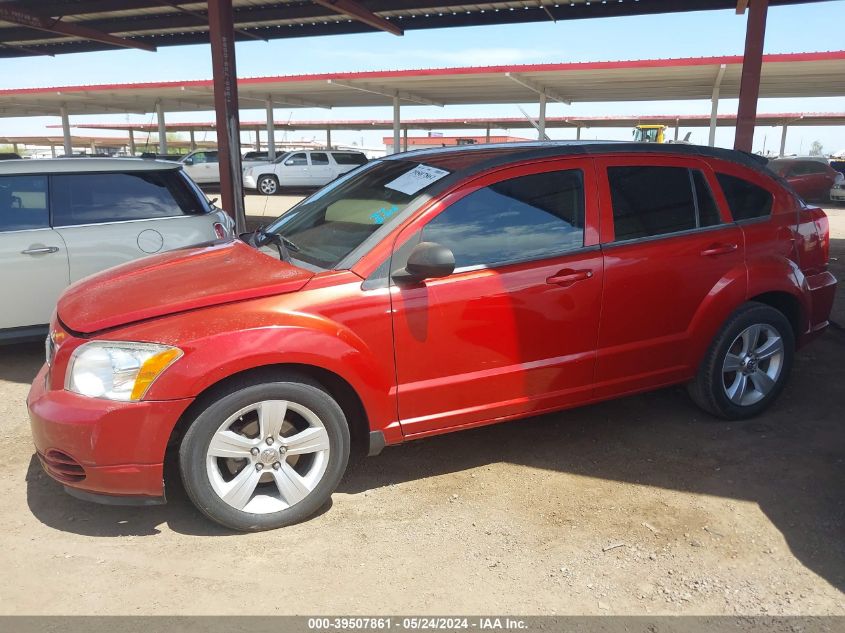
<point x="226" y="340"/>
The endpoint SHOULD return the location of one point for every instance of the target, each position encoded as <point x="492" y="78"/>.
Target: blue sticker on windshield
<point x="380" y="216"/>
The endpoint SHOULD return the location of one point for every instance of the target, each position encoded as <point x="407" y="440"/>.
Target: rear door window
<point x="96" y="198"/>
<point x="23" y="203"/>
<point x="745" y="199"/>
<point x="319" y="158"/>
<point x="649" y="201"/>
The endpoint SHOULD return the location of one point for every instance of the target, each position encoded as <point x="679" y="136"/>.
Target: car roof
<point x="500" y="154"/>
<point x="83" y="165"/>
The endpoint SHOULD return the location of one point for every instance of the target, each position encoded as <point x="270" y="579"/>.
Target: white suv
<point x="301" y="169"/>
<point x="64" y="219"/>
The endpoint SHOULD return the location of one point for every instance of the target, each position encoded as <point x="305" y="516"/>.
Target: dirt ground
<point x="638" y="506"/>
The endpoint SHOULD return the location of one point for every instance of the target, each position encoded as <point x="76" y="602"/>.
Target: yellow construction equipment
<point x="650" y="133"/>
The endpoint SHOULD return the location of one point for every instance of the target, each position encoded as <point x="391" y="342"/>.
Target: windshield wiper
<point x="261" y="236"/>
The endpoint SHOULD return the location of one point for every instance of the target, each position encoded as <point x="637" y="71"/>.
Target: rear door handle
<point x="719" y="249"/>
<point x="41" y="250"/>
<point x="569" y="277"/>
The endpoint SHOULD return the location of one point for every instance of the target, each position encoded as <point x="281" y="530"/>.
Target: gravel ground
<point x="638" y="506"/>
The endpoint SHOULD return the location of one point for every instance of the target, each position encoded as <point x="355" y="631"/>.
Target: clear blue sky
<point x="800" y="28"/>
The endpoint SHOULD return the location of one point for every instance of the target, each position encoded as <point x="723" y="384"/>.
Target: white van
<point x="301" y="169"/>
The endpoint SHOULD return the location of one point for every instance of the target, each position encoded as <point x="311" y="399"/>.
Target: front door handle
<point x="40" y="250"/>
<point x="569" y="277"/>
<point x="719" y="249"/>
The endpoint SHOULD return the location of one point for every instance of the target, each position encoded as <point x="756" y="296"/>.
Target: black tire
<point x="708" y="389"/>
<point x="195" y="445"/>
<point x="268" y="185"/>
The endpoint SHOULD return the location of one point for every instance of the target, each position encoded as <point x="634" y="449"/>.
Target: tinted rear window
<point x="651" y="200"/>
<point x="349" y="158"/>
<point x="96" y="198"/>
<point x="745" y="199"/>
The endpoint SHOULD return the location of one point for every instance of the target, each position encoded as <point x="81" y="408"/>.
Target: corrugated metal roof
<point x="175" y="22"/>
<point x="813" y="74"/>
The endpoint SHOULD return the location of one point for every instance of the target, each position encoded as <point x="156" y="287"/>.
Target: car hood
<point x="177" y="281"/>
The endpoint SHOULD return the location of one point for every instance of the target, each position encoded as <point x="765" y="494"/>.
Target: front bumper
<point x="837" y="195"/>
<point x="250" y="182"/>
<point x="100" y="446"/>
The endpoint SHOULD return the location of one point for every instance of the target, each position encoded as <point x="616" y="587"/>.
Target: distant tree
<point x="816" y="148"/>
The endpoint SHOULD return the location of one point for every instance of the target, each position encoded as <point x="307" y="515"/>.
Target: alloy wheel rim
<point x="752" y="364"/>
<point x="268" y="456"/>
<point x="268" y="186"/>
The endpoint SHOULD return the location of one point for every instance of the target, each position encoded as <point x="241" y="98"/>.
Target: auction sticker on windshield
<point x="417" y="179"/>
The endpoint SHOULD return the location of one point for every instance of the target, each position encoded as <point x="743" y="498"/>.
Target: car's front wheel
<point x="265" y="455"/>
<point x="268" y="185"/>
<point x="747" y="364"/>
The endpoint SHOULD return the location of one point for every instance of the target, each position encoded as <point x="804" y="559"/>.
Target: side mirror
<point x="428" y="260"/>
<point x="188" y="161"/>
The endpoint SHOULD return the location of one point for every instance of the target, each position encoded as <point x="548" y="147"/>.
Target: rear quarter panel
<point x="772" y="244"/>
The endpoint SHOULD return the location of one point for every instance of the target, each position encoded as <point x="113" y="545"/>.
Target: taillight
<point x="219" y="230"/>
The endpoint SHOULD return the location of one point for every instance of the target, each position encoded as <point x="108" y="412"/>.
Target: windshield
<point x="279" y="159"/>
<point x="336" y="220"/>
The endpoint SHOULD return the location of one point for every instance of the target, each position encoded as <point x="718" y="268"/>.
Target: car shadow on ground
<point x="790" y="460"/>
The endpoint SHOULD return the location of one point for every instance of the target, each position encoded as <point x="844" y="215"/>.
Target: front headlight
<point x="117" y="370"/>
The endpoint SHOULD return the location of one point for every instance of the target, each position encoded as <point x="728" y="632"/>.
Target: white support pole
<point x="271" y="130"/>
<point x="66" y="131"/>
<point x="93" y="147"/>
<point x="783" y="140"/>
<point x="193" y="140"/>
<point x="487" y="135"/>
<point x="131" y="142"/>
<point x="541" y="121"/>
<point x="578" y="133"/>
<point x="52" y="150"/>
<point x="257" y="140"/>
<point x="714" y="105"/>
<point x="397" y="123"/>
<point x="328" y="138"/>
<point x="405" y="140"/>
<point x="162" y="129"/>
<point x="676" y="131"/>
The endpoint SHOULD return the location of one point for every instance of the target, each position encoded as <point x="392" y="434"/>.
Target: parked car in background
<point x="429" y="292"/>
<point x="62" y="220"/>
<point x="256" y="157"/>
<point x="811" y="178"/>
<point x="301" y="169"/>
<point x="9" y="156"/>
<point x="202" y="166"/>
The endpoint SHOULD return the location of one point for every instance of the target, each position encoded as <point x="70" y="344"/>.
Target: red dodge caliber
<point x="428" y="292"/>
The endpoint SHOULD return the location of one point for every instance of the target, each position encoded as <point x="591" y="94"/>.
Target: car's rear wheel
<point x="268" y="185"/>
<point x="747" y="364"/>
<point x="266" y="455"/>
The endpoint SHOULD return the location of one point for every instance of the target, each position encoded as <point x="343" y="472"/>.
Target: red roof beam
<point x="361" y="13"/>
<point x="10" y="12"/>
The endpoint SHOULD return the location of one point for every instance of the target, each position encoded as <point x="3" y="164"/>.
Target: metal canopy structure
<point x="818" y="74"/>
<point x="494" y="123"/>
<point x="677" y="121"/>
<point x="51" y="27"/>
